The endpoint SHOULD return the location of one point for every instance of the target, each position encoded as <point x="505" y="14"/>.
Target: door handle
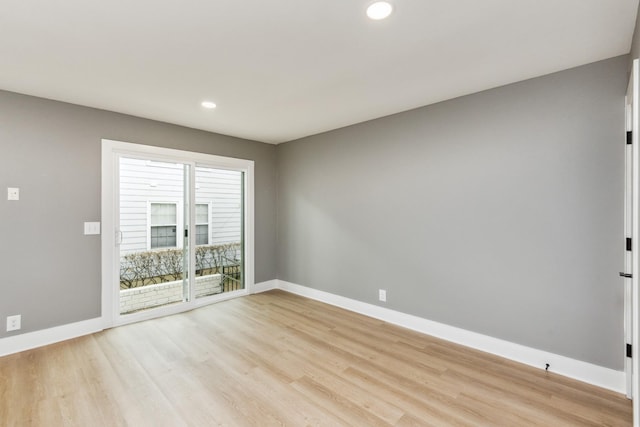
<point x="627" y="275"/>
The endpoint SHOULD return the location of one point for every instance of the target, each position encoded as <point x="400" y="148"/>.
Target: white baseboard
<point x="264" y="286"/>
<point x="29" y="340"/>
<point x="572" y="368"/>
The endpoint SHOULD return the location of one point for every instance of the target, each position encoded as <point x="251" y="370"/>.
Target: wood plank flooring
<point x="279" y="359"/>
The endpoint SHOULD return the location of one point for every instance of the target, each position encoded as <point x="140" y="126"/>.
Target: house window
<point x="164" y="222"/>
<point x="202" y="224"/>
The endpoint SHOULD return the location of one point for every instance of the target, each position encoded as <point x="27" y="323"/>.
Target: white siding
<point x="143" y="182"/>
<point x="222" y="189"/>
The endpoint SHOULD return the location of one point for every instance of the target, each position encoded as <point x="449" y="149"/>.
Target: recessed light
<point x="208" y="104"/>
<point x="379" y="10"/>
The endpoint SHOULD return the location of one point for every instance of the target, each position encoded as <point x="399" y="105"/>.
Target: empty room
<point x="353" y="213"/>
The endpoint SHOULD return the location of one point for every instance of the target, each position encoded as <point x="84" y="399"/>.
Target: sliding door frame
<point x="111" y="152"/>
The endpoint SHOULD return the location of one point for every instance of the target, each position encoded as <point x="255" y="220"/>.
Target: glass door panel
<point x="152" y="219"/>
<point x="219" y="231"/>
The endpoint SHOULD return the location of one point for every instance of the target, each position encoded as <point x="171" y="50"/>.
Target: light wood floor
<point x="279" y="359"/>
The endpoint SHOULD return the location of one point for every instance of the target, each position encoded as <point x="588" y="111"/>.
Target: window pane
<point x="163" y="237"/>
<point x="219" y="265"/>
<point x="202" y="234"/>
<point x="202" y="214"/>
<point x="163" y="213"/>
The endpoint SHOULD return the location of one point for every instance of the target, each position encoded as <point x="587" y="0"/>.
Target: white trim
<point x="635" y="234"/>
<point x="161" y="154"/>
<point x="628" y="233"/>
<point x="190" y="211"/>
<point x="572" y="368"/>
<point x="109" y="173"/>
<point x="265" y="286"/>
<point x="249" y="228"/>
<point x="579" y="370"/>
<point x="29" y="340"/>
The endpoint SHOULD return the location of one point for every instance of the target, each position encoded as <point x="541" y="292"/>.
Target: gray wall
<point x="50" y="271"/>
<point x="498" y="212"/>
<point x="635" y="43"/>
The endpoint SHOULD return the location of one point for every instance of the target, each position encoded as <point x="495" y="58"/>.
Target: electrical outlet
<point x="382" y="295"/>
<point x="14" y="322"/>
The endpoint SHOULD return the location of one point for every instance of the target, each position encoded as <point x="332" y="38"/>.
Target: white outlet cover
<point x="13" y="193"/>
<point x="14" y="322"/>
<point x="382" y="295"/>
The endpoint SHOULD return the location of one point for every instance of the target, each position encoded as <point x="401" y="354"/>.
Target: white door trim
<point x="633" y="124"/>
<point x="628" y="234"/>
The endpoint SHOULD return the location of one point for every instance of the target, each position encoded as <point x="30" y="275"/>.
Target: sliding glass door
<point x="179" y="230"/>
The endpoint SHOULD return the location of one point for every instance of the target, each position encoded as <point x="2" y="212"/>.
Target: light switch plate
<point x="13" y="193"/>
<point x="91" y="228"/>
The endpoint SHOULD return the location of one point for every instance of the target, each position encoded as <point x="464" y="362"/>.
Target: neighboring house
<point x="152" y="205"/>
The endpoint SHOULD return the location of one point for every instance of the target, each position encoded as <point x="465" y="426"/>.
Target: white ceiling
<point x="284" y="69"/>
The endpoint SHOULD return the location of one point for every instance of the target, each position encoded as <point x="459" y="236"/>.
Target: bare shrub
<point x="152" y="267"/>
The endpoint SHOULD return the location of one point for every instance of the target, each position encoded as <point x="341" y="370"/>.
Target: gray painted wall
<point x="50" y="271"/>
<point x="635" y="43"/>
<point x="498" y="212"/>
